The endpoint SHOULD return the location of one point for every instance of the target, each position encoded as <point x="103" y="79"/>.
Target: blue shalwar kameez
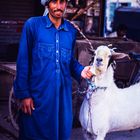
<point x="45" y="65"/>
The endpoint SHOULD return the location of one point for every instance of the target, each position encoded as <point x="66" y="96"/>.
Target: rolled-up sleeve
<point x="21" y="83"/>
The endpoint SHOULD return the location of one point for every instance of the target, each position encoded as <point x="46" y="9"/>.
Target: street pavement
<point x="77" y="134"/>
<point x="7" y="132"/>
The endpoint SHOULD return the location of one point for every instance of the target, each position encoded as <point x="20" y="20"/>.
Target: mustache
<point x="58" y="10"/>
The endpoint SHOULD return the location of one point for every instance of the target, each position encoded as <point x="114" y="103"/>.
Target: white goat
<point x="109" y="108"/>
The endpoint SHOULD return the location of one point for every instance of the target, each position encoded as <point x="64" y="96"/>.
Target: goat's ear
<point x="119" y="55"/>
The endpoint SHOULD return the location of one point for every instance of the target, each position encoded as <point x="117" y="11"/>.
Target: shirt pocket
<point x="65" y="54"/>
<point x="44" y="50"/>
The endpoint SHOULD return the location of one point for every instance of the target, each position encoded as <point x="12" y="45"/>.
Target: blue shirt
<point x="45" y="65"/>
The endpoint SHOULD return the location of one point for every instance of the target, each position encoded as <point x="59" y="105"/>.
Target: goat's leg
<point x="88" y="136"/>
<point x="101" y="136"/>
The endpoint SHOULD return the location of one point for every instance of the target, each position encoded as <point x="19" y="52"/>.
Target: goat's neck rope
<point x="89" y="121"/>
<point x="90" y="104"/>
<point x="92" y="89"/>
<point x="83" y="35"/>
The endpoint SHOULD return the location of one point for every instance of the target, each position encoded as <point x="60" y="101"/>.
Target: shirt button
<point x="57" y="70"/>
<point x="57" y="51"/>
<point x="57" y="41"/>
<point x="56" y="60"/>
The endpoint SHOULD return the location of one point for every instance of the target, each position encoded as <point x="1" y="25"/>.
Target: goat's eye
<point x="93" y="54"/>
<point x="109" y="56"/>
<point x="91" y="60"/>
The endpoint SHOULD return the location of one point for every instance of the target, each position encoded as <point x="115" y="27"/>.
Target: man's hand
<point x="27" y="105"/>
<point x="86" y="73"/>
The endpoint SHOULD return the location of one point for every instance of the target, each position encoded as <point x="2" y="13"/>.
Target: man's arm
<point x="77" y="70"/>
<point x="21" y="83"/>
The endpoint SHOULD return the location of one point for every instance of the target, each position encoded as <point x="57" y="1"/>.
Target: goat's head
<point x="102" y="58"/>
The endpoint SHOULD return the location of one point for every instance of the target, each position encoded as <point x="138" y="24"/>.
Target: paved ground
<point x="77" y="134"/>
<point x="7" y="132"/>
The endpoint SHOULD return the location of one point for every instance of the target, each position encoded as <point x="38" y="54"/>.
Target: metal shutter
<point x="13" y="14"/>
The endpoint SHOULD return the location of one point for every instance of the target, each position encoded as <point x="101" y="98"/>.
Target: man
<point x="43" y="82"/>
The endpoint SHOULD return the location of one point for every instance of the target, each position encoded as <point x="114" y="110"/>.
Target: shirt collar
<point x="48" y="22"/>
<point x="63" y="26"/>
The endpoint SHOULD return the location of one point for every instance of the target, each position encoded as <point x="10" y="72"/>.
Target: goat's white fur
<point x="112" y="109"/>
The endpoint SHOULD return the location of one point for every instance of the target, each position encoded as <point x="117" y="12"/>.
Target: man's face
<point x="56" y="8"/>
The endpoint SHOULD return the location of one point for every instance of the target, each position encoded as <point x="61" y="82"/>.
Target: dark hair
<point x="53" y="1"/>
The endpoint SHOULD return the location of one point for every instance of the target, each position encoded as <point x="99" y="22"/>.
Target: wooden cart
<point x="13" y="104"/>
